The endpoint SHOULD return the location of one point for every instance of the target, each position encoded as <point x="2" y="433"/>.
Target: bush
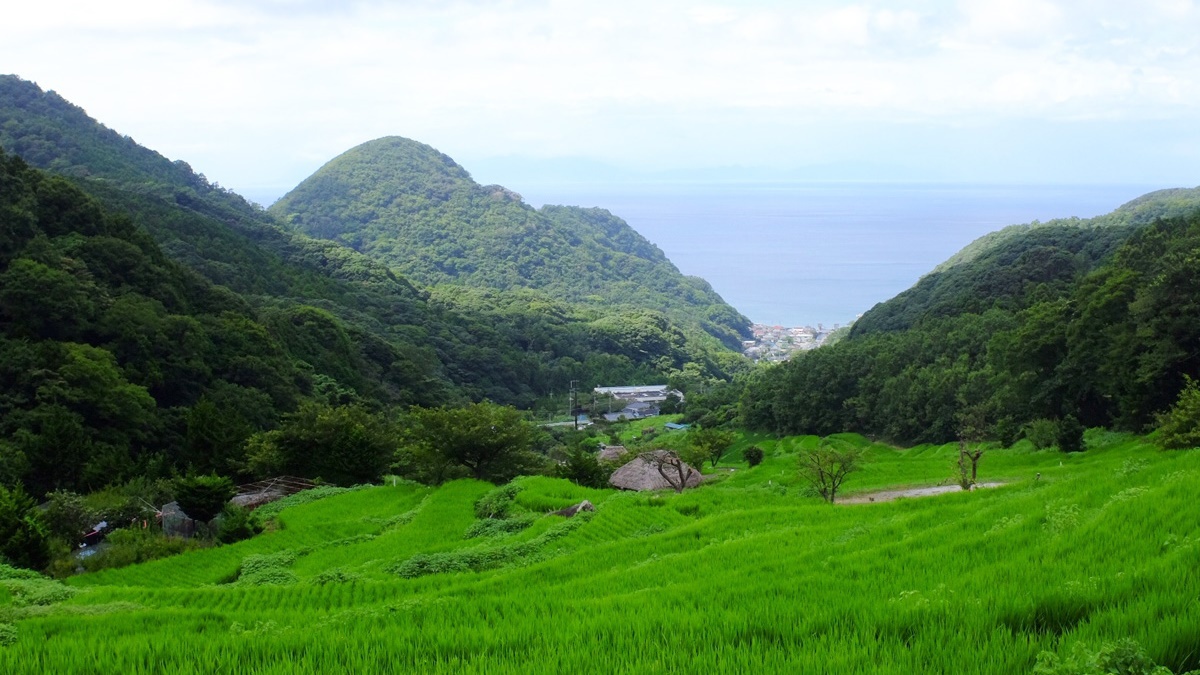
<point x="67" y="517"/>
<point x="237" y="523"/>
<point x="1042" y="433"/>
<point x="491" y="527"/>
<point x="753" y="455"/>
<point x="582" y="468"/>
<point x="497" y="503"/>
<point x="1123" y="656"/>
<point x="267" y="569"/>
<point x="203" y="497"/>
<point x="24" y="540"/>
<point x="1070" y="435"/>
<point x="130" y="546"/>
<point x="1179" y="427"/>
<point x="8" y="634"/>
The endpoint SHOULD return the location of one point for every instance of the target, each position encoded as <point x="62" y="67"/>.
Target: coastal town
<point x="780" y="343"/>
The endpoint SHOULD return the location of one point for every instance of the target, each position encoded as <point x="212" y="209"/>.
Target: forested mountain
<point x="447" y="350"/>
<point x="1001" y="268"/>
<point x="151" y="321"/>
<point x="1089" y="320"/>
<point x="414" y="208"/>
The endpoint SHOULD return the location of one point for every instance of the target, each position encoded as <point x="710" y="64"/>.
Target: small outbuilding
<point x="642" y="475"/>
<point x="611" y="453"/>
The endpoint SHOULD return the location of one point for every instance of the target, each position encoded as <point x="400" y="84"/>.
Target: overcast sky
<point x="257" y="95"/>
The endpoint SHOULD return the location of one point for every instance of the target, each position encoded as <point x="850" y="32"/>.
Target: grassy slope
<point x="744" y="575"/>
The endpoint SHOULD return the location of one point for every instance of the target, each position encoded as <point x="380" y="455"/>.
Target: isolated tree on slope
<point x="826" y="467"/>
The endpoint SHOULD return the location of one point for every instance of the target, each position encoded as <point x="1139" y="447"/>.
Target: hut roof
<point x="641" y="475"/>
<point x="611" y="453"/>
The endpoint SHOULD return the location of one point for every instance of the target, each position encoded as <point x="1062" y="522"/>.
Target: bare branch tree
<point x="972" y="424"/>
<point x="827" y="466"/>
<point x="671" y="467"/>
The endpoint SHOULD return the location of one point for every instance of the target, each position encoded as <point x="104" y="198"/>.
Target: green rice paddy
<point x="746" y="574"/>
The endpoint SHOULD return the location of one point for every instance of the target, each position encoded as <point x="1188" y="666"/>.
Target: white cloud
<point x="241" y="89"/>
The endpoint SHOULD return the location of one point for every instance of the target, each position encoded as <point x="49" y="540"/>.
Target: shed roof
<point x="641" y="475"/>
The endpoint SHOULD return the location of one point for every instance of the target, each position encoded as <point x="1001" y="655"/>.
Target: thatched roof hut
<point x="611" y="453"/>
<point x="640" y="474"/>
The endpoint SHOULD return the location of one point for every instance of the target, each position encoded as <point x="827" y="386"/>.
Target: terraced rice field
<point x="746" y="574"/>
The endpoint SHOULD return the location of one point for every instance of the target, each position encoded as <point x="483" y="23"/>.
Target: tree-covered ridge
<point x="107" y="345"/>
<point x="1001" y="268"/>
<point x="446" y="352"/>
<point x="1112" y="345"/>
<point x="411" y="206"/>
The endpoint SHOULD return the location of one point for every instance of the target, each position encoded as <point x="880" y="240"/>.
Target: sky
<point x="259" y="94"/>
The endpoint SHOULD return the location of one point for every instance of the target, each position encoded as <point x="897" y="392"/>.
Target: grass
<point x="748" y="574"/>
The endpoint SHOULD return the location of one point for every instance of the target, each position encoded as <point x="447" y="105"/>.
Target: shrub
<point x="267" y="569"/>
<point x="24" y="540"/>
<point x="491" y="527"/>
<point x="334" y="576"/>
<point x="237" y="523"/>
<point x="67" y="517"/>
<point x="753" y="455"/>
<point x="1179" y="427"/>
<point x="1042" y="433"/>
<point x="130" y="546"/>
<point x="1124" y="656"/>
<point x="203" y="497"/>
<point x="497" y="503"/>
<point x="1070" y="435"/>
<point x="8" y="634"/>
<point x="582" y="468"/>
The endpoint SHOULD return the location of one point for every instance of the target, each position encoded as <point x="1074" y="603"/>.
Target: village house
<point x="637" y="401"/>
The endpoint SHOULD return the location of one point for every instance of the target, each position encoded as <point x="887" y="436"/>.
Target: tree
<point x="970" y="432"/>
<point x="711" y="444"/>
<point x="1070" y="435"/>
<point x="753" y="455"/>
<point x="203" y="497"/>
<point x="490" y="441"/>
<point x="581" y="467"/>
<point x="1179" y="427"/>
<point x="675" y="469"/>
<point x="826" y="467"/>
<point x="344" y="445"/>
<point x="23" y="537"/>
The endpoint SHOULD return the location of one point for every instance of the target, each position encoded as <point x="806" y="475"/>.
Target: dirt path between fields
<point x="890" y="495"/>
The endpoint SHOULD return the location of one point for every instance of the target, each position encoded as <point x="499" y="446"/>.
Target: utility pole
<point x="574" y="407"/>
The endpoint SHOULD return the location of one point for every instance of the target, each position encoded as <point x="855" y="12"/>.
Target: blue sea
<point x="797" y="254"/>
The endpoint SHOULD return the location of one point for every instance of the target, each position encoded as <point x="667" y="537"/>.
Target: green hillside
<point x="407" y="350"/>
<point x="406" y="204"/>
<point x="1092" y="322"/>
<point x="1072" y="556"/>
<point x="1002" y="267"/>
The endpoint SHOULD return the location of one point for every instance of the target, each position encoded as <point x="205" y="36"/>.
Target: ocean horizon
<point x="809" y="254"/>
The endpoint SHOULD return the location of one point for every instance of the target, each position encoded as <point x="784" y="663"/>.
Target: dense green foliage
<point x="1179" y="427"/>
<point x="345" y="445"/>
<point x="203" y="497"/>
<point x="748" y="574"/>
<point x="483" y="440"/>
<point x="152" y="322"/>
<point x="416" y="209"/>
<point x="1096" y="321"/>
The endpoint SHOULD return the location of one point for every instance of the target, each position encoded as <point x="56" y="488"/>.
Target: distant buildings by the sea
<point x="779" y="343"/>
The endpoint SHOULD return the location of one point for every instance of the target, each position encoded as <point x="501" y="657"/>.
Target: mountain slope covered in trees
<point x="414" y="208"/>
<point x="151" y="321"/>
<point x="453" y="349"/>
<point x="1091" y="322"/>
